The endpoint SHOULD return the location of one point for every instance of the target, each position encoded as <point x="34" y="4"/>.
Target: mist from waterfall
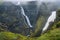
<point x="50" y="19"/>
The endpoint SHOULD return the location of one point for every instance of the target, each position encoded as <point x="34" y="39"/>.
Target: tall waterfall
<point x="50" y="19"/>
<point x="28" y="21"/>
<point x="23" y="13"/>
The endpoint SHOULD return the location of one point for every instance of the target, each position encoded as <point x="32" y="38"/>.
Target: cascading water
<point x="23" y="13"/>
<point x="50" y="19"/>
<point x="26" y="17"/>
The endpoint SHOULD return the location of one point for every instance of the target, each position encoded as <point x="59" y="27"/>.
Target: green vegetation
<point x="51" y="35"/>
<point x="39" y="23"/>
<point x="11" y="36"/>
<point x="16" y="24"/>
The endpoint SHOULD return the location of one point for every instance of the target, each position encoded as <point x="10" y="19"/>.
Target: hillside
<point x="14" y="25"/>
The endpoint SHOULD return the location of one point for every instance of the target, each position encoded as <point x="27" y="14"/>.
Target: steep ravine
<point x="17" y="22"/>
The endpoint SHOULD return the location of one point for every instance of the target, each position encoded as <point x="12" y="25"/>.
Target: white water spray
<point x="50" y="19"/>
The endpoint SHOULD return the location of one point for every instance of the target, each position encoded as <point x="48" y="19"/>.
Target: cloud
<point x="32" y="0"/>
<point x="49" y="0"/>
<point x="18" y="0"/>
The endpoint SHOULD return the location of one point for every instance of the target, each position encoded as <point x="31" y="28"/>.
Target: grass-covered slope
<point x="52" y="35"/>
<point x="10" y="36"/>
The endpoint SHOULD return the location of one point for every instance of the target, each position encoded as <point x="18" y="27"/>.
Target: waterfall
<point x="28" y="21"/>
<point x="50" y="19"/>
<point x="23" y="13"/>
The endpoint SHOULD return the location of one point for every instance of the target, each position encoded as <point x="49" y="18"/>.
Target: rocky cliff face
<point x="31" y="11"/>
<point x="10" y="15"/>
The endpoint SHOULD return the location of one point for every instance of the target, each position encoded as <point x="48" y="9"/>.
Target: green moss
<point x="39" y="23"/>
<point x="52" y="35"/>
<point x="56" y="25"/>
<point x="11" y="36"/>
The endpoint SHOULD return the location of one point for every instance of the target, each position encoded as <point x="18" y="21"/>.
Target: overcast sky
<point x="32" y="0"/>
